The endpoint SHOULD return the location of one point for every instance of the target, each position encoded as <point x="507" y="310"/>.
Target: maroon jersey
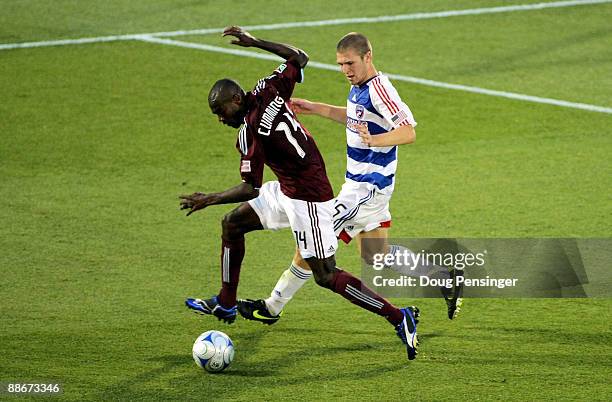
<point x="272" y="135"/>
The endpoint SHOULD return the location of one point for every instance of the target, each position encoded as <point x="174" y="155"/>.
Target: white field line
<point x="342" y="21"/>
<point x="393" y="18"/>
<point x="64" y="42"/>
<point x="406" y="78"/>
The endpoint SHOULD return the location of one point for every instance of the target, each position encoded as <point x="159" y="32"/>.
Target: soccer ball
<point x="213" y="351"/>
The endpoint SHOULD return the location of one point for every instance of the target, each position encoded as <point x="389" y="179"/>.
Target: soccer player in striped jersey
<point x="377" y="122"/>
<point x="302" y="198"/>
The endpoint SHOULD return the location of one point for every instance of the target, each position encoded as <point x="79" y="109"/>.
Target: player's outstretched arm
<point x="197" y="201"/>
<point x="303" y="106"/>
<point x="245" y="39"/>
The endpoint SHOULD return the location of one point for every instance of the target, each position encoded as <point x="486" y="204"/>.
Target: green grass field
<point x="98" y="140"/>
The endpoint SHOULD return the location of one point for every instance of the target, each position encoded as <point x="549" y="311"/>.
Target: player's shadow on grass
<point x="170" y="363"/>
<point x="126" y="387"/>
<point x="292" y="330"/>
<point x="252" y="364"/>
<point x="283" y="364"/>
<point x="423" y="335"/>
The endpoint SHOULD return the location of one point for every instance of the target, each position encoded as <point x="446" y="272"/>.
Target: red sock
<point x="232" y="253"/>
<point x="356" y="292"/>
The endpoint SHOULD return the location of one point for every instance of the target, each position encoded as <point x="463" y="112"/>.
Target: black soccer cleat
<point x="211" y="306"/>
<point x="256" y="310"/>
<point x="453" y="296"/>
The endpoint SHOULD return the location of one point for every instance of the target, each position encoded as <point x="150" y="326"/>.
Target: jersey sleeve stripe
<point x="243" y="140"/>
<point x="240" y="141"/>
<point x="374" y="84"/>
<point x="383" y="95"/>
<point x="383" y="90"/>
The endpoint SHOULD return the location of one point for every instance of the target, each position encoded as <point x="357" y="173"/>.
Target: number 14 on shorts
<point x="300" y="236"/>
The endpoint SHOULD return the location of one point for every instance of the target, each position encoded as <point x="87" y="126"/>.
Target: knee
<point x="324" y="280"/>
<point x="324" y="272"/>
<point x="231" y="226"/>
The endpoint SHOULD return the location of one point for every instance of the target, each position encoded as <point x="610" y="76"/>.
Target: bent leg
<point x="329" y="276"/>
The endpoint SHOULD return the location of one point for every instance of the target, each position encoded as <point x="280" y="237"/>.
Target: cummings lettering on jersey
<point x="269" y="114"/>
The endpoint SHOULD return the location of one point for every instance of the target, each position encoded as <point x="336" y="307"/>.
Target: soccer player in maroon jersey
<point x="302" y="198"/>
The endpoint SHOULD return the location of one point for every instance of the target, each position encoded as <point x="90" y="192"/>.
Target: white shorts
<point x="311" y="222"/>
<point x="356" y="211"/>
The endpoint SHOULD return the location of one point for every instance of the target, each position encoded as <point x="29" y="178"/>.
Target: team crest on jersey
<point x="359" y="111"/>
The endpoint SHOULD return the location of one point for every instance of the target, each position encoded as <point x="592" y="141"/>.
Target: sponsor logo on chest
<point x="352" y="124"/>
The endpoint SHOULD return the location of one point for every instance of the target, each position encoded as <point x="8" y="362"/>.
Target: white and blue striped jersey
<point x="377" y="104"/>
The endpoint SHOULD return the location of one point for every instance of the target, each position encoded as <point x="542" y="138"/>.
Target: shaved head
<point x="228" y="101"/>
<point x="223" y="92"/>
